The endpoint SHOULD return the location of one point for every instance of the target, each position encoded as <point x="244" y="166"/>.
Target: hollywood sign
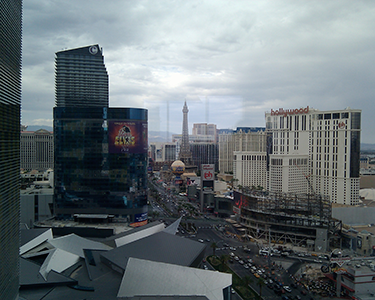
<point x="287" y="112"/>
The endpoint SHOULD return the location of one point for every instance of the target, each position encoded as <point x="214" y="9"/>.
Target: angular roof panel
<point x="75" y="244"/>
<point x="161" y="246"/>
<point x="161" y="279"/>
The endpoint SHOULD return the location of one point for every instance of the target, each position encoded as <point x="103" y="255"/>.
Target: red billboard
<point x="127" y="137"/>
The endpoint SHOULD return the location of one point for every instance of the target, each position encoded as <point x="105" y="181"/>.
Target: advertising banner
<point x="208" y="172"/>
<point x="127" y="137"/>
<point x="139" y="220"/>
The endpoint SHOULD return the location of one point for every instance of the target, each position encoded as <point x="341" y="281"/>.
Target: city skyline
<point x="231" y="62"/>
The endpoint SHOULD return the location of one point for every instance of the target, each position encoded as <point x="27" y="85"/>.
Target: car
<point x="200" y="240"/>
<point x="232" y="291"/>
<point x="246" y="266"/>
<point x="287" y="288"/>
<point x="232" y="254"/>
<point x="256" y="275"/>
<point x="237" y="258"/>
<point x="205" y="267"/>
<point x="250" y="260"/>
<point x="226" y="245"/>
<point x="241" y="262"/>
<point x="208" y="240"/>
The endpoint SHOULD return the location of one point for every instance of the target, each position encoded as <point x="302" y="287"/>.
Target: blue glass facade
<point x="100" y="161"/>
<point x="10" y="106"/>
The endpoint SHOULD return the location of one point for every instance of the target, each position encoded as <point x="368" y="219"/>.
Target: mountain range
<point x="163" y="136"/>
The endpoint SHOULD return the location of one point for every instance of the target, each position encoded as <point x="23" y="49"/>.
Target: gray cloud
<point x="246" y="57"/>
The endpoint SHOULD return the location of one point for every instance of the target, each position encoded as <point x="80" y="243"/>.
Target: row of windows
<point x="297" y="161"/>
<point x="252" y="157"/>
<point x="329" y="116"/>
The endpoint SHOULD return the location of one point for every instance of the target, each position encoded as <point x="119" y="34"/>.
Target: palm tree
<point x="261" y="284"/>
<point x="213" y="246"/>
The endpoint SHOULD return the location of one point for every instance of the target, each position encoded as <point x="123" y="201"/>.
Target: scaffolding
<point x="287" y="217"/>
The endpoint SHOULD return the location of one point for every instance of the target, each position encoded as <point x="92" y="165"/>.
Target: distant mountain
<point x="159" y="136"/>
<point x="37" y="127"/>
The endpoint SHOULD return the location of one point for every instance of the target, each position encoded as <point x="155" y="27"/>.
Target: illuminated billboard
<point x="139" y="220"/>
<point x="127" y="137"/>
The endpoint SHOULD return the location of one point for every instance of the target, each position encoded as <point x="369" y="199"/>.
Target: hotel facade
<point x="316" y="152"/>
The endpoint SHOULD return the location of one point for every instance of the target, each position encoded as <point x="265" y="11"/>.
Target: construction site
<point x="303" y="220"/>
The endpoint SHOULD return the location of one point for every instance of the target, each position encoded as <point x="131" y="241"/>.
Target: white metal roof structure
<point x="133" y="236"/>
<point x="58" y="260"/>
<point x="149" y="278"/>
<point x="75" y="244"/>
<point x="33" y="238"/>
<point x="172" y="229"/>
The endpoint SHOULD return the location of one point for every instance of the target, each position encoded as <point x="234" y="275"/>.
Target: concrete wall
<point x="28" y="208"/>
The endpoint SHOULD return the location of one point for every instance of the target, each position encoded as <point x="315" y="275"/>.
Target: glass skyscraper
<point x="10" y="105"/>
<point x="100" y="152"/>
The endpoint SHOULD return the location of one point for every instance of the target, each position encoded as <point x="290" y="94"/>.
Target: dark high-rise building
<point x="205" y="153"/>
<point x="100" y="161"/>
<point x="10" y="106"/>
<point x="81" y="78"/>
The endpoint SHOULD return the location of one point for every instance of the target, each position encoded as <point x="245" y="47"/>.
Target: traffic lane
<point x="280" y="275"/>
<point x="241" y="271"/>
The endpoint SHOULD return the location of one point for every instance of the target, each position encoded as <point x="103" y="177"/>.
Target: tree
<point x="261" y="284"/>
<point x="213" y="246"/>
<point x="223" y="259"/>
<point x="247" y="280"/>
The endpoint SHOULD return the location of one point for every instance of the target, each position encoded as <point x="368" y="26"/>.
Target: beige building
<point x="316" y="152"/>
<point x="250" y="168"/>
<point x="205" y="129"/>
<point x="36" y="150"/>
<point x="250" y="139"/>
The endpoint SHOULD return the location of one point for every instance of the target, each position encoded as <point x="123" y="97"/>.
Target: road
<point x="275" y="268"/>
<point x="207" y="232"/>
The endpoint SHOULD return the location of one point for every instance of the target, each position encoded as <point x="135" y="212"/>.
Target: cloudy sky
<point x="230" y="60"/>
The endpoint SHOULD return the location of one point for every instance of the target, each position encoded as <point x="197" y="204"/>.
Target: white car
<point x="287" y="288"/>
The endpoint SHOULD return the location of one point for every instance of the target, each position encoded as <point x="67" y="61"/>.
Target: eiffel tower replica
<point x="185" y="154"/>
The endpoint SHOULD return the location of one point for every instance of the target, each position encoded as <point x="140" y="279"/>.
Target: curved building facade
<point x="101" y="162"/>
<point x="10" y="106"/>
